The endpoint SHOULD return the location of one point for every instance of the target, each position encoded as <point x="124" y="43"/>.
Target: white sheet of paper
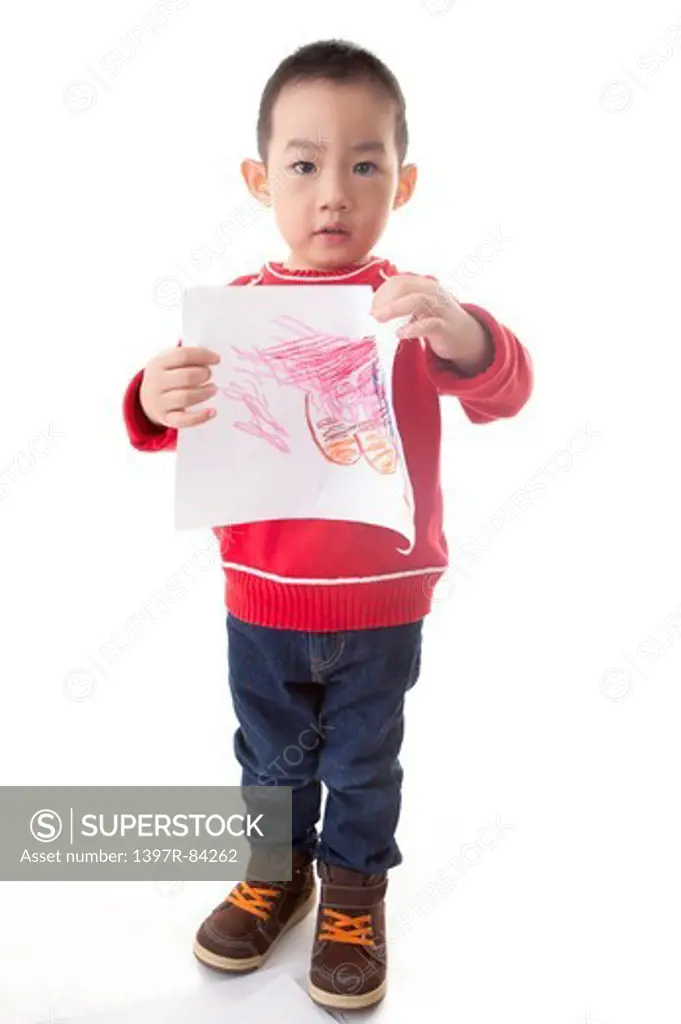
<point x="305" y="425"/>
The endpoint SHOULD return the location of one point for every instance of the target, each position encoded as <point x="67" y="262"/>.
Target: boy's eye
<point x="363" y="168"/>
<point x="303" y="164"/>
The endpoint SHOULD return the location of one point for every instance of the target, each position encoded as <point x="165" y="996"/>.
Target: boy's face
<point x="332" y="159"/>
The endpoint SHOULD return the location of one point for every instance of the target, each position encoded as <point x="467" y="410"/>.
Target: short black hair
<point x="333" y="60"/>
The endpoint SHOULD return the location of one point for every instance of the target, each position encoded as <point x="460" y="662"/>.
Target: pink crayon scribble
<point x="256" y="404"/>
<point x="345" y="404"/>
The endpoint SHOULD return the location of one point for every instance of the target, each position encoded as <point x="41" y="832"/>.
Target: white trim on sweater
<point x="326" y="277"/>
<point x="316" y="581"/>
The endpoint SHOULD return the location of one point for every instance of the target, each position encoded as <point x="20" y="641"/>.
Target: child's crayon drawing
<point x="256" y="404"/>
<point x="306" y="425"/>
<point x="345" y="405"/>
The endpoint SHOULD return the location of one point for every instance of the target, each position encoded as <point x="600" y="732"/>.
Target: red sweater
<point x="325" y="575"/>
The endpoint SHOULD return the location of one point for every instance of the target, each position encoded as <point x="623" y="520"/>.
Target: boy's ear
<point x="254" y="174"/>
<point x="405" y="185"/>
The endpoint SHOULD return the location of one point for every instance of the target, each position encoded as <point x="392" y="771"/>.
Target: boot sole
<point x="228" y="963"/>
<point x="336" y="1001"/>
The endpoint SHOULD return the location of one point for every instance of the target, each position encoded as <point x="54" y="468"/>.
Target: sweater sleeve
<point x="144" y="435"/>
<point x="498" y="391"/>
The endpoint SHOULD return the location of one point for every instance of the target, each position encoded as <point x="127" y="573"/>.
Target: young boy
<point x="324" y="618"/>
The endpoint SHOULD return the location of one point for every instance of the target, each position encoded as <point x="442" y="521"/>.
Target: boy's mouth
<point x="333" y="229"/>
<point x="332" y="234"/>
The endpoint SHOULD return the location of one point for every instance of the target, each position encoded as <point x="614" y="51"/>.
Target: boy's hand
<point x="452" y="333"/>
<point x="173" y="381"/>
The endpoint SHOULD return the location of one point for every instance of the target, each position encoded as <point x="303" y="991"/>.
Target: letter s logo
<point x="45" y="826"/>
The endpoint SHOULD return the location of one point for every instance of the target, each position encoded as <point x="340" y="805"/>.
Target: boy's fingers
<point x="184" y="377"/>
<point x="188" y="419"/>
<point x="414" y="304"/>
<point x="421" y="328"/>
<point x="191" y="356"/>
<point x="180" y="398"/>
<point x="405" y="284"/>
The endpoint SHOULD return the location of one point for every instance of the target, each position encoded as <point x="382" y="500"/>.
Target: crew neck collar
<point x="277" y="271"/>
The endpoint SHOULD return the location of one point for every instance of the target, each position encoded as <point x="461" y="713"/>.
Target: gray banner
<point x="138" y="833"/>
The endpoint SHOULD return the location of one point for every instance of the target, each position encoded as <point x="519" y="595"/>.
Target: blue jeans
<point x="327" y="708"/>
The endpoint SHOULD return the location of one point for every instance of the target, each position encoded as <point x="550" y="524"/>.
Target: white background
<point x="537" y="120"/>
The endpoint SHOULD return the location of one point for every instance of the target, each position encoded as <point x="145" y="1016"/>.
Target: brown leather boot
<point x="241" y="931"/>
<point x="349" y="958"/>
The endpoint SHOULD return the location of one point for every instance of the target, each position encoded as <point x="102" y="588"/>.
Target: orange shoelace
<point x="346" y="928"/>
<point x="252" y="898"/>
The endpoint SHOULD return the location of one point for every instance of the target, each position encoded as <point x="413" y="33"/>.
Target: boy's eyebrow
<point x="372" y="145"/>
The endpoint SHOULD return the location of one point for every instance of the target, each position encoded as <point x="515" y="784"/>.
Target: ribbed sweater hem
<point x="329" y="607"/>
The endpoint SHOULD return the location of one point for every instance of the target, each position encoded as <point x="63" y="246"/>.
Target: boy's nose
<point x="335" y="202"/>
<point x="333" y="194"/>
